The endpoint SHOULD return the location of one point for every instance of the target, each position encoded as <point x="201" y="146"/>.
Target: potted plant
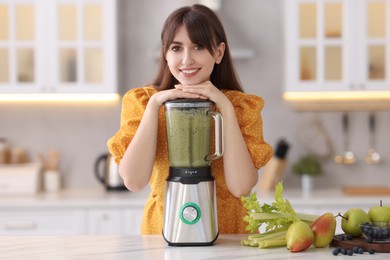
<point x="307" y="166"/>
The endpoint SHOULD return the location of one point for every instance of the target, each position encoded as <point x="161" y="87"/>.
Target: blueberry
<point x="355" y="249"/>
<point x="336" y="251"/>
<point x="349" y="237"/>
<point x="343" y="251"/>
<point x="369" y="240"/>
<point x="371" y="251"/>
<point x="360" y="250"/>
<point x="385" y="234"/>
<point x="349" y="252"/>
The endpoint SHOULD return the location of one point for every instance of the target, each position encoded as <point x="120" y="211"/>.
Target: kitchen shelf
<point x="338" y="101"/>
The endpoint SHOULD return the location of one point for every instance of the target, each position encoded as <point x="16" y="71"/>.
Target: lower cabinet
<point x="42" y="222"/>
<point x="114" y="221"/>
<point x="132" y="219"/>
<point x="71" y="221"/>
<point x="104" y="221"/>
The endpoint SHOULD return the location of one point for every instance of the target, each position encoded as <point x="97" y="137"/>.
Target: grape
<point x="371" y="251"/>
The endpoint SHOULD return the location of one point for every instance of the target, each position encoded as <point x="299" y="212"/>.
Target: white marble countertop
<point x="148" y="247"/>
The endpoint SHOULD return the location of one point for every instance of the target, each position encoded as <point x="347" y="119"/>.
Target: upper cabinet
<point x="58" y="46"/>
<point x="337" y="46"/>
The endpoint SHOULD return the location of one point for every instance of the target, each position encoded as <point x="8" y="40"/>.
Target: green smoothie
<point x="189" y="136"/>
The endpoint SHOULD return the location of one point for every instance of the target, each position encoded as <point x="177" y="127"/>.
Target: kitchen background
<point x="79" y="131"/>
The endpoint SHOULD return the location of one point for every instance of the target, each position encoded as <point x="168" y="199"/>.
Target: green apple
<point x="299" y="237"/>
<point x="379" y="213"/>
<point x="351" y="221"/>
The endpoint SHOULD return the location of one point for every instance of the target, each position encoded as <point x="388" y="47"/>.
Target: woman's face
<point x="190" y="63"/>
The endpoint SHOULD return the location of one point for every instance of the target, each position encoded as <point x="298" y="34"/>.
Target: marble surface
<point x="148" y="247"/>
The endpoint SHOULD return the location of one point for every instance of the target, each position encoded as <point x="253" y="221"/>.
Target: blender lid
<point x="189" y="102"/>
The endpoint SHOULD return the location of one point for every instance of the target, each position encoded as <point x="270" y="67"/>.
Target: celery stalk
<point x="279" y="235"/>
<point x="272" y="243"/>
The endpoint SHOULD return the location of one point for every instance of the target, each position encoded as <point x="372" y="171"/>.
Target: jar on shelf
<point x="4" y="151"/>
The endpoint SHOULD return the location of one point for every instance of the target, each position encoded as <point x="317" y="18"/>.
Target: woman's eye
<point x="176" y="48"/>
<point x="199" y="47"/>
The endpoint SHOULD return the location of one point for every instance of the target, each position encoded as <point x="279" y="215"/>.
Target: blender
<point x="190" y="210"/>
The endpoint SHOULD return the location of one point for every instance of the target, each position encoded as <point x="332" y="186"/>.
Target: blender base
<point x="191" y="244"/>
<point x="190" y="214"/>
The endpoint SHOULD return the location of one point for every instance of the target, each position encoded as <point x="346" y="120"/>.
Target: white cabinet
<point x="337" y="45"/>
<point x="42" y="222"/>
<point x="80" y="220"/>
<point x="104" y="221"/>
<point x="132" y="219"/>
<point x="58" y="46"/>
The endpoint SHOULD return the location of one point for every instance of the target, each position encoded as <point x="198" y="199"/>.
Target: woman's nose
<point x="187" y="57"/>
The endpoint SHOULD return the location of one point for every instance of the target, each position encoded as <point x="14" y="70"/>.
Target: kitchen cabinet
<point x="104" y="221"/>
<point x="114" y="221"/>
<point x="72" y="212"/>
<point x="42" y="221"/>
<point x="132" y="219"/>
<point x="85" y="220"/>
<point x="57" y="46"/>
<point x="337" y="47"/>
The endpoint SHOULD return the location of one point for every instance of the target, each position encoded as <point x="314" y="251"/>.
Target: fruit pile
<point x="298" y="232"/>
<point x="374" y="225"/>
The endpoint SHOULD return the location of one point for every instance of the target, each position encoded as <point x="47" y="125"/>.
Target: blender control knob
<point x="190" y="213"/>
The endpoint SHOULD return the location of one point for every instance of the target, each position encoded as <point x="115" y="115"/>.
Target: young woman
<point x="195" y="63"/>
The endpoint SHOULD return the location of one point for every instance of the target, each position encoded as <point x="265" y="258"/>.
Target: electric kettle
<point x="107" y="172"/>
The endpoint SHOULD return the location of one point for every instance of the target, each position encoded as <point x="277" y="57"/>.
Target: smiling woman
<point x="195" y="63"/>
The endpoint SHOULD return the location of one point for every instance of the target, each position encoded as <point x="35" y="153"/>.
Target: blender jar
<point x="189" y="132"/>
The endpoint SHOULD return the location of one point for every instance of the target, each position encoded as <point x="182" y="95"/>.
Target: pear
<point x="324" y="228"/>
<point x="299" y="237"/>
<point x="352" y="219"/>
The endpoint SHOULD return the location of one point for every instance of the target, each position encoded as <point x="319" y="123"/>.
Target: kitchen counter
<point x="96" y="197"/>
<point x="148" y="247"/>
<point x="76" y="197"/>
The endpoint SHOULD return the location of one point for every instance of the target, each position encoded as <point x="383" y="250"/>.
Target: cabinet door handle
<point x="20" y="225"/>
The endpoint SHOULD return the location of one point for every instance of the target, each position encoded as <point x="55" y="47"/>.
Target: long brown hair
<point x="204" y="28"/>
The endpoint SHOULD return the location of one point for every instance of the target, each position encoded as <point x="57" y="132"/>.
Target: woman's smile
<point x="190" y="72"/>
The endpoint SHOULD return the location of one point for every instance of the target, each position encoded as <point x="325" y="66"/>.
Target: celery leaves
<point x="278" y="215"/>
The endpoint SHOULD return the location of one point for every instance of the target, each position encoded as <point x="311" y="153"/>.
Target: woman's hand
<point x="209" y="91"/>
<point x="162" y="96"/>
